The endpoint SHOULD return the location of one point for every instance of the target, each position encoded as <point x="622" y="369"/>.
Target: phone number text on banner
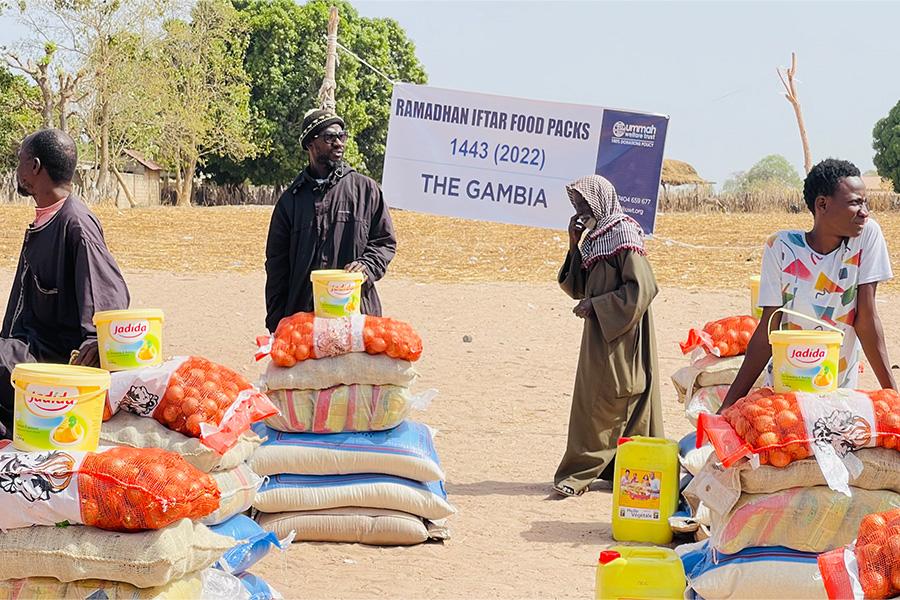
<point x="508" y="160"/>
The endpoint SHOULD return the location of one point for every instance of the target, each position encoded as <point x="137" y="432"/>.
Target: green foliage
<point x="887" y="146"/>
<point x="206" y="95"/>
<point x="286" y="63"/>
<point x="772" y="172"/>
<point x="17" y="118"/>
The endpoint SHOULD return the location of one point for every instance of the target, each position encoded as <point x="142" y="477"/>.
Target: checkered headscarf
<point x="615" y="231"/>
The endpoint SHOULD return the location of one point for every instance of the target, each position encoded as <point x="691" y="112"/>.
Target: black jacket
<point x="326" y="226"/>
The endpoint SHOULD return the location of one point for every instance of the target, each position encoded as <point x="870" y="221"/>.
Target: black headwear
<point x="315" y="121"/>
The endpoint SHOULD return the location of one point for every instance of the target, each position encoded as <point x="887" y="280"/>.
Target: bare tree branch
<point x="787" y="80"/>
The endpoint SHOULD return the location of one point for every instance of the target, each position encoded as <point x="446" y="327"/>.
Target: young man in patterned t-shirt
<point x="830" y="273"/>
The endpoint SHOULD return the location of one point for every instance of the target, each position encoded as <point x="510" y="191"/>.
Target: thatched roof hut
<point x="676" y="172"/>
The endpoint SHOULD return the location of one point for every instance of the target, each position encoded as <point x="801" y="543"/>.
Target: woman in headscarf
<point x="617" y="382"/>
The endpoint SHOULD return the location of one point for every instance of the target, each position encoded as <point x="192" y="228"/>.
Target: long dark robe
<point x="326" y="227"/>
<point x="65" y="274"/>
<point x="617" y="382"/>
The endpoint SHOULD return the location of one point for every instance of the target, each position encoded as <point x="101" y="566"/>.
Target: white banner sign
<point x="508" y="160"/>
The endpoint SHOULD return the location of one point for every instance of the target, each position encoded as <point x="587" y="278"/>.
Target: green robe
<point x="617" y="383"/>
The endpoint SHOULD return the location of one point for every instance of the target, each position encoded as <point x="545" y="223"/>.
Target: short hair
<point x="823" y="179"/>
<point x="57" y="152"/>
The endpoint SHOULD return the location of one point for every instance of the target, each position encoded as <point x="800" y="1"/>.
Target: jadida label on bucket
<point x="806" y="367"/>
<point x="58" y="406"/>
<point x="805" y="360"/>
<point x="54" y="418"/>
<point x="129" y="339"/>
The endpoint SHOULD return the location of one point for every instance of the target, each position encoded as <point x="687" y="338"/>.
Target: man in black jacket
<point x="331" y="217"/>
<point x="65" y="273"/>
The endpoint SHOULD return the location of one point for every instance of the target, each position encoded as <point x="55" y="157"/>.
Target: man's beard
<point x="20" y="189"/>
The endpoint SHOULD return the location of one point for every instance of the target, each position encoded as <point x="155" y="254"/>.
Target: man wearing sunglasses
<point x="65" y="272"/>
<point x="331" y="217"/>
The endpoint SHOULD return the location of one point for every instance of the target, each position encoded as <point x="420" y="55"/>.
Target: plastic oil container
<point x="636" y="573"/>
<point x="645" y="489"/>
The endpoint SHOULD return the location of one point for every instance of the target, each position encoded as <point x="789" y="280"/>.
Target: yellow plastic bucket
<point x="639" y="573"/>
<point x="129" y="339"/>
<point x="753" y="285"/>
<point x="336" y="293"/>
<point x="805" y="360"/>
<point x="645" y="490"/>
<point x="58" y="407"/>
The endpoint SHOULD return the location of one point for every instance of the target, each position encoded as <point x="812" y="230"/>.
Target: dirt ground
<point x="501" y="415"/>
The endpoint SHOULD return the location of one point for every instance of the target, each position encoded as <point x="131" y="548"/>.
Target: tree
<point x="886" y="136"/>
<point x="206" y="106"/>
<point x="57" y="89"/>
<point x="790" y="92"/>
<point x="17" y="117"/>
<point x="771" y="172"/>
<point x="286" y="62"/>
<point x="774" y="169"/>
<point x="734" y="183"/>
<point x="89" y="33"/>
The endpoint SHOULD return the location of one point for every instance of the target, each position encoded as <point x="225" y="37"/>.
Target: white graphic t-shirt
<point x="796" y="277"/>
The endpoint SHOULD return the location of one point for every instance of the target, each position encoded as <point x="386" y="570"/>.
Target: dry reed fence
<point x="693" y="200"/>
<point x="687" y="199"/>
<point x="711" y="251"/>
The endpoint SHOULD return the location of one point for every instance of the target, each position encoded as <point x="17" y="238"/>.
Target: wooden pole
<point x="329" y="83"/>
<point x="787" y="80"/>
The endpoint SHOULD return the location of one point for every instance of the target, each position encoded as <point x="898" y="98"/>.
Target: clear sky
<point x="709" y="65"/>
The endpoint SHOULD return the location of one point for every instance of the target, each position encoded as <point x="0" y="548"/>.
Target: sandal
<point x="568" y="491"/>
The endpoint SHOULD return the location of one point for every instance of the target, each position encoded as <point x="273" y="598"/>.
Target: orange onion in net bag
<point x="877" y="567"/>
<point x="119" y="489"/>
<point x="130" y="489"/>
<point x="772" y="426"/>
<point x="304" y="336"/>
<point x="725" y="337"/>
<point x="193" y="396"/>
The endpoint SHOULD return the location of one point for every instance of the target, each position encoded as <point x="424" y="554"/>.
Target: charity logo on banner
<point x="508" y="160"/>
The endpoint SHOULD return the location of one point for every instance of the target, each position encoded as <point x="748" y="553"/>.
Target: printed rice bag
<point x="304" y="336"/>
<point x="405" y="451"/>
<point x="344" y="408"/>
<point x="725" y="337"/>
<point x="870" y="566"/>
<point x="346" y="369"/>
<point x="193" y="396"/>
<point x="775" y="572"/>
<point x="778" y="429"/>
<point x="814" y="519"/>
<point x="705" y="400"/>
<point x="708" y="371"/>
<point x="288" y="493"/>
<point x="118" y="489"/>
<point x="354" y="525"/>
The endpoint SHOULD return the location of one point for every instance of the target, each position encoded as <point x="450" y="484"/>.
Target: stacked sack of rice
<point x="793" y="476"/>
<point x="118" y="522"/>
<point x="198" y="414"/>
<point x="343" y="463"/>
<point x="717" y="353"/>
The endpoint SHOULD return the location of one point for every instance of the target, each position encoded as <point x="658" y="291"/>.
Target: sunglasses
<point x="331" y="138"/>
